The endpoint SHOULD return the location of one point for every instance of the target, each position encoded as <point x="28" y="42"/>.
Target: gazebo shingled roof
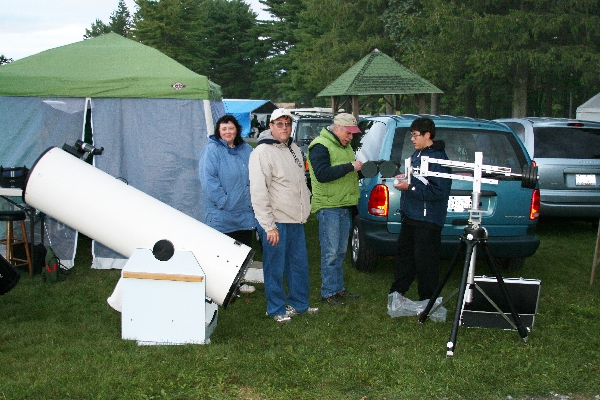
<point x="378" y="74"/>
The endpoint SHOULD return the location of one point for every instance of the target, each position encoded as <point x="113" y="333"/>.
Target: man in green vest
<point x="334" y="178"/>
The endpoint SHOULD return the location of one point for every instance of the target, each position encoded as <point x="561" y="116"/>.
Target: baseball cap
<point x="280" y="112"/>
<point x="347" y="121"/>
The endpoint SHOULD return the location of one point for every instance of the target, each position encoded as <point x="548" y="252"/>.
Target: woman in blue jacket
<point x="225" y="183"/>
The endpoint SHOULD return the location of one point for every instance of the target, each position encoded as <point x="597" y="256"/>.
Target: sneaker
<point x="334" y="300"/>
<point x="347" y="295"/>
<point x="247" y="288"/>
<point x="291" y="311"/>
<point x="280" y="318"/>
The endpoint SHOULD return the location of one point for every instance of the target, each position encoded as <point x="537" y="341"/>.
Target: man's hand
<point x="357" y="165"/>
<point x="400" y="182"/>
<point x="273" y="237"/>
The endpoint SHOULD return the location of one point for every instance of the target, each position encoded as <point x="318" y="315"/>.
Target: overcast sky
<point x="30" y="26"/>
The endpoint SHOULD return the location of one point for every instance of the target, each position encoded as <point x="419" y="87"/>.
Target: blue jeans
<point x="334" y="228"/>
<point x="288" y="259"/>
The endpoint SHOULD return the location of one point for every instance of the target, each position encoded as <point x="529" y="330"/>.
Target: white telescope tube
<point x="124" y="219"/>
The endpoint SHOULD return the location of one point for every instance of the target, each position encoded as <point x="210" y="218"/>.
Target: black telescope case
<point x="9" y="276"/>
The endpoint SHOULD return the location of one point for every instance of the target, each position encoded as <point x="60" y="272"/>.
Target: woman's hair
<point x="230" y="118"/>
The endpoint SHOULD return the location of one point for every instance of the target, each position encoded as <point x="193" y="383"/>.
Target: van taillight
<point x="379" y="201"/>
<point x="534" y="210"/>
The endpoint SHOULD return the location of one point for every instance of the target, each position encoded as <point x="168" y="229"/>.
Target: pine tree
<point x="120" y="23"/>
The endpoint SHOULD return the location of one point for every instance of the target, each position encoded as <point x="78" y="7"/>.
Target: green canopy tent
<point x="106" y="66"/>
<point x="151" y="115"/>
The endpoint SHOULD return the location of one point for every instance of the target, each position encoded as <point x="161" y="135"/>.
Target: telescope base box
<point x="211" y="315"/>
<point x="480" y="313"/>
<point x="164" y="302"/>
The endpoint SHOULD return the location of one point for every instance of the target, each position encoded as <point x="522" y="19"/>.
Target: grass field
<point x="62" y="341"/>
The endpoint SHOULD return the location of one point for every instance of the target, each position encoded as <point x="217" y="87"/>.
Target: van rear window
<point x="563" y="142"/>
<point x="498" y="148"/>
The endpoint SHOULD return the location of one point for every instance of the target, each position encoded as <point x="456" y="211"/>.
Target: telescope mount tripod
<point x="473" y="236"/>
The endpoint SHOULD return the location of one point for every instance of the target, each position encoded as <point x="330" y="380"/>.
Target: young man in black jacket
<point x="424" y="205"/>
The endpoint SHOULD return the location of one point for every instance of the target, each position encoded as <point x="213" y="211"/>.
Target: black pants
<point x="417" y="255"/>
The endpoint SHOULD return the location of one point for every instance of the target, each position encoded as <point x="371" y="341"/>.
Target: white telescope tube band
<point x="124" y="219"/>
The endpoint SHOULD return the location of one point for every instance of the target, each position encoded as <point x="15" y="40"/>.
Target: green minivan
<point x="510" y="210"/>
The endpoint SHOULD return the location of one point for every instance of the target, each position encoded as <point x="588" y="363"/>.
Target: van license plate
<point x="459" y="203"/>
<point x="585" y="180"/>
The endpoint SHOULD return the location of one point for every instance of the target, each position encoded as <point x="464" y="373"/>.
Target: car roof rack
<point x="313" y="112"/>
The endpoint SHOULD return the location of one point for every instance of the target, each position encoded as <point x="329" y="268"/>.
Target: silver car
<point x="567" y="153"/>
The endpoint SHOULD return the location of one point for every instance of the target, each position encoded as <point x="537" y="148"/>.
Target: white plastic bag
<point x="400" y="306"/>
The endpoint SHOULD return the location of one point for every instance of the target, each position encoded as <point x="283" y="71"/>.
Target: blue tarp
<point x="242" y="109"/>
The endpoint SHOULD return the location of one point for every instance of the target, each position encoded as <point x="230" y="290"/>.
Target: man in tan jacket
<point x="281" y="202"/>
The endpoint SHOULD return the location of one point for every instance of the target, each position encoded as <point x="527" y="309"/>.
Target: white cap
<point x="280" y="112"/>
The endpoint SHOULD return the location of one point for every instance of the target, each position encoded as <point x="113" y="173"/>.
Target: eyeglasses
<point x="415" y="135"/>
<point x="281" y="124"/>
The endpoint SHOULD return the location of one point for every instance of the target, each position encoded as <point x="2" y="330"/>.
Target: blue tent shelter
<point x="242" y="109"/>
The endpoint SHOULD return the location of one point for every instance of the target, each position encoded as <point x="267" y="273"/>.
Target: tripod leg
<point x="470" y="245"/>
<point x="516" y="318"/>
<point x="425" y="313"/>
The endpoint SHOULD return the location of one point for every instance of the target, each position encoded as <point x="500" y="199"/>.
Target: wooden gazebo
<point x="376" y="75"/>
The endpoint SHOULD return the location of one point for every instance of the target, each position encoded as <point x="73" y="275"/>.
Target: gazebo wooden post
<point x="434" y="104"/>
<point x="422" y="105"/>
<point x="335" y="102"/>
<point x="390" y="107"/>
<point x="355" y="107"/>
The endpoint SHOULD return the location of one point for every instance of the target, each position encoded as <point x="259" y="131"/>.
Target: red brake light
<point x="379" y="201"/>
<point x="534" y="210"/>
<point x="577" y="124"/>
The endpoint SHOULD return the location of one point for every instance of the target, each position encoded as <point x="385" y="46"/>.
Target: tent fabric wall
<point x="217" y="109"/>
<point x="161" y="140"/>
<point x="151" y="114"/>
<point x="590" y="110"/>
<point x="31" y="125"/>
